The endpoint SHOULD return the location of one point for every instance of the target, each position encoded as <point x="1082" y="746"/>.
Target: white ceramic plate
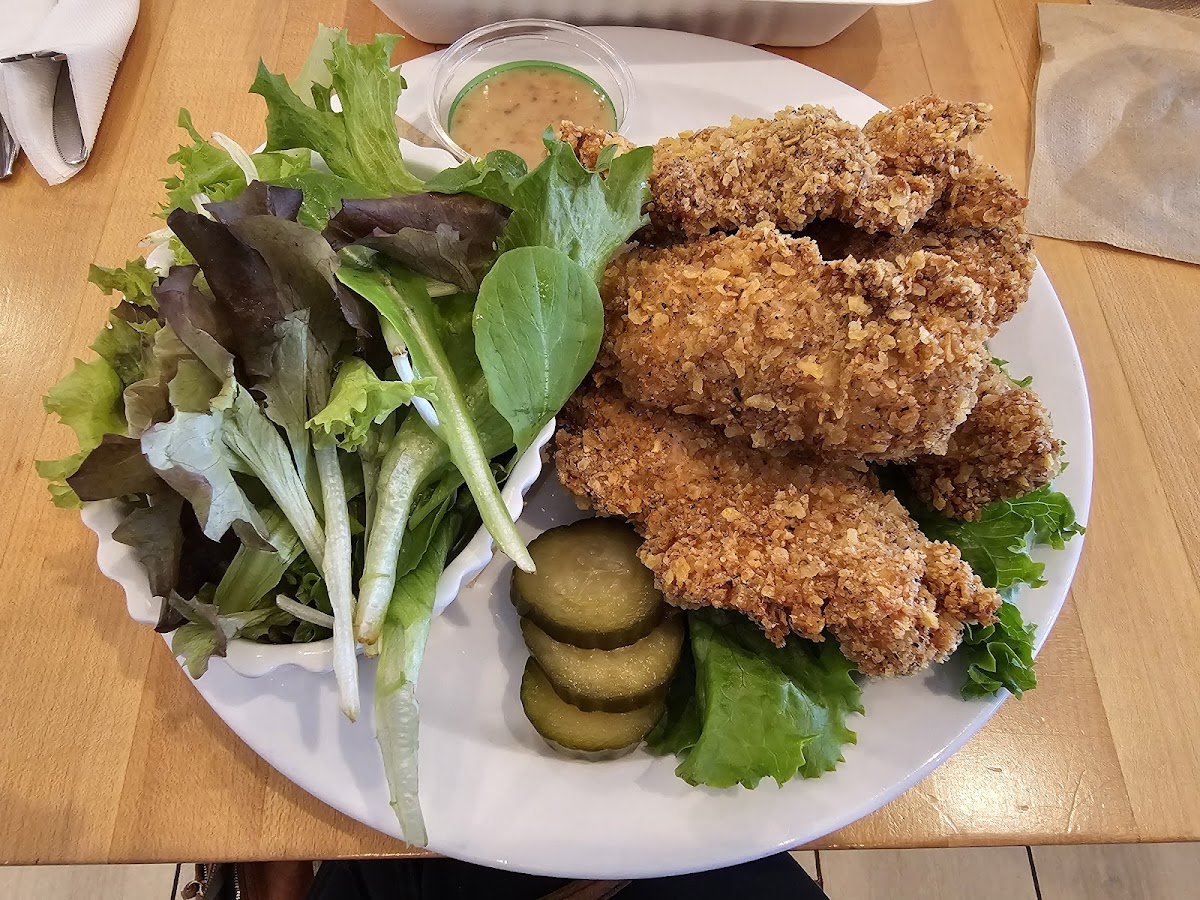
<point x="492" y="792"/>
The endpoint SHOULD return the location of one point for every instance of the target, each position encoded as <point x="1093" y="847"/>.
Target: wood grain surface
<point x="108" y="753"/>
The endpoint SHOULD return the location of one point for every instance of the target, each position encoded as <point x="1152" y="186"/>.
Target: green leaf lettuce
<point x="563" y="205"/>
<point x="756" y="710"/>
<point x="134" y="282"/>
<point x="997" y="545"/>
<point x="997" y="548"/>
<point x="88" y="401"/>
<point x="360" y="142"/>
<point x="358" y="400"/>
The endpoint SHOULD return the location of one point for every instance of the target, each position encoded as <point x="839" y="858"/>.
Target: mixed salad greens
<point x="316" y="381"/>
<point x="319" y="376"/>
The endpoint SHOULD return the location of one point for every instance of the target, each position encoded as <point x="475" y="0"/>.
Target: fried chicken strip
<point x="807" y="164"/>
<point x="795" y="545"/>
<point x="1005" y="449"/>
<point x="929" y="137"/>
<point x="756" y="333"/>
<point x="999" y="259"/>
<point x="978" y="219"/>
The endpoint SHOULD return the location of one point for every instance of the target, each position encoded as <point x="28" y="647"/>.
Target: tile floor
<point x="1118" y="872"/>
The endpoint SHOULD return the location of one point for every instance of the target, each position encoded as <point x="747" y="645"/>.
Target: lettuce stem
<point x="403" y="300"/>
<point x="337" y="574"/>
<point x="414" y="456"/>
<point x="396" y="712"/>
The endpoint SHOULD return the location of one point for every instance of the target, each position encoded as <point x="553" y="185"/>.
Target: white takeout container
<point x="782" y="23"/>
<point x="118" y="562"/>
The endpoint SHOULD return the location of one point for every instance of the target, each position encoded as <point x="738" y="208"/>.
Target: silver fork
<point x="9" y="150"/>
<point x="68" y="135"/>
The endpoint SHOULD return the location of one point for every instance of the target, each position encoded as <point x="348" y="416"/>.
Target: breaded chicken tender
<point x="999" y="259"/>
<point x="756" y="333"/>
<point x="929" y="137"/>
<point x="802" y="164"/>
<point x="798" y="546"/>
<point x="1005" y="449"/>
<point x="807" y="164"/>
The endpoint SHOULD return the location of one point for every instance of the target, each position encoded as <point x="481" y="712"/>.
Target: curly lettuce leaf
<point x="208" y="632"/>
<point x="207" y="170"/>
<point x="188" y="453"/>
<point x="999" y="655"/>
<point x="248" y="304"/>
<point x="997" y="545"/>
<point x="494" y="177"/>
<point x="155" y="533"/>
<point x="289" y="188"/>
<point x="563" y="205"/>
<point x="323" y="194"/>
<point x="756" y="710"/>
<point x="258" y="199"/>
<point x="115" y="468"/>
<point x="305" y="584"/>
<point x="358" y="143"/>
<point x="149" y="400"/>
<point x="135" y="281"/>
<point x="997" y="548"/>
<point x="449" y="238"/>
<point x="204" y="168"/>
<point x="358" y="400"/>
<point x="126" y="345"/>
<point x="88" y="401"/>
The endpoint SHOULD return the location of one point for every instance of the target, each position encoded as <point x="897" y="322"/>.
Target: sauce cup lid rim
<point x="472" y="42"/>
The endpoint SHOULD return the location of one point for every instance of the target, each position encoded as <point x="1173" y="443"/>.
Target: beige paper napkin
<point x="1180" y="7"/>
<point x="1117" y="130"/>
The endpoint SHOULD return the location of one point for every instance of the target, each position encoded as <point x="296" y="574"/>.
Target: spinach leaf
<point x="538" y="326"/>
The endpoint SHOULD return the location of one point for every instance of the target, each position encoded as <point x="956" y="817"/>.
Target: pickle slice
<point x="590" y="589"/>
<point x="609" y="680"/>
<point x="600" y="735"/>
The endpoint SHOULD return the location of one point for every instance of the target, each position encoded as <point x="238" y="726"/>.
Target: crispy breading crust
<point x="978" y="197"/>
<point x="807" y="164"/>
<point x="795" y="545"/>
<point x="1005" y="449"/>
<point x="798" y="166"/>
<point x="927" y="135"/>
<point x="1000" y="259"/>
<point x="587" y="142"/>
<point x="756" y="333"/>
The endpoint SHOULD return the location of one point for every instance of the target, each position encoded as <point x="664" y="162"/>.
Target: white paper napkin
<point x="92" y="35"/>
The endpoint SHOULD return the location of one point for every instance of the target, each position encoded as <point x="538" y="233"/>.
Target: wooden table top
<point x="110" y="756"/>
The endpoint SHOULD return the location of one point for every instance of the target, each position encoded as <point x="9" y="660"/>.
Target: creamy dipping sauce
<point x="509" y="108"/>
